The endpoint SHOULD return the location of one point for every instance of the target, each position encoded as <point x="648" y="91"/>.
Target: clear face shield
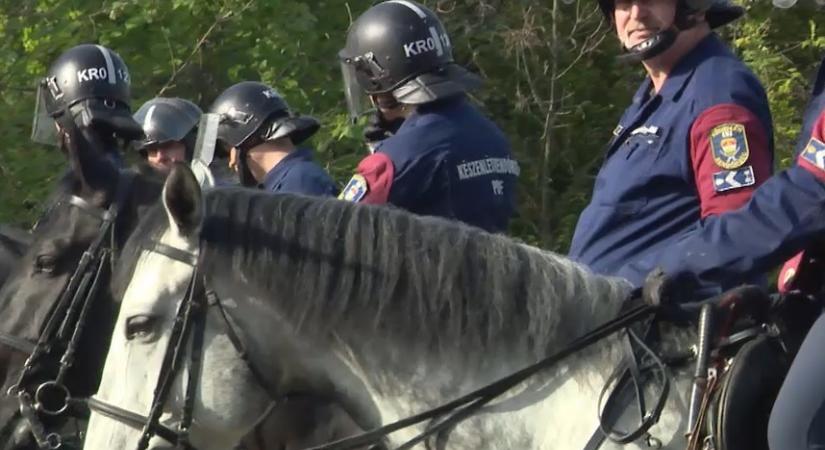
<point x="204" y="151"/>
<point x="358" y="102"/>
<point x="44" y="127"/>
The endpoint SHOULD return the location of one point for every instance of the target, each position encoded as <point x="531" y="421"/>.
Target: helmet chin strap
<point x="651" y="47"/>
<point x="245" y="175"/>
<point x="661" y="41"/>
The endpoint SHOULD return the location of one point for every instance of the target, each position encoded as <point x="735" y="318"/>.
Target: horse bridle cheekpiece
<point x="65" y="326"/>
<point x="190" y="318"/>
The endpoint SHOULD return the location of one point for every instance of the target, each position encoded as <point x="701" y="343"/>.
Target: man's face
<point x="163" y="157"/>
<point x="639" y="20"/>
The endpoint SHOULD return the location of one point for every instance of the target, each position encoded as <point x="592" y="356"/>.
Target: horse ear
<point x="183" y="199"/>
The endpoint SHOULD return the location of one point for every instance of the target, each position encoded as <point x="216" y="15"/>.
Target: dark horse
<point x="13" y="243"/>
<point x="30" y="295"/>
<point x="70" y="226"/>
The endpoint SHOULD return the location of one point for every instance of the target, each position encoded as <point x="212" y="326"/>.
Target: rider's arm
<point x="372" y="180"/>
<point x="782" y="216"/>
<point x="731" y="155"/>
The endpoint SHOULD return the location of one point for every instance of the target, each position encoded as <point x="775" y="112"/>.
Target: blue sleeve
<point x="783" y="215"/>
<point x="416" y="178"/>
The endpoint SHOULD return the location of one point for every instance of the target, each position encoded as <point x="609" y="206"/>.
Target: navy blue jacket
<point x="698" y="147"/>
<point x="447" y="160"/>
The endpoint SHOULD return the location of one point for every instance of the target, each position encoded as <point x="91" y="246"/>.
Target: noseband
<point x="65" y="324"/>
<point x="190" y="318"/>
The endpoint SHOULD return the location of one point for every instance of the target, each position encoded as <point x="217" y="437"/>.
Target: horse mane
<point x="332" y="266"/>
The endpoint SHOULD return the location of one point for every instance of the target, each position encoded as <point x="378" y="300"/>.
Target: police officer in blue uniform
<point x="696" y="140"/>
<point x="262" y="136"/>
<point x="440" y="156"/>
<point x="785" y="215"/>
<point x="170" y="127"/>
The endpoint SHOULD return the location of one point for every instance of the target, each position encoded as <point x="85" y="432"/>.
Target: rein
<point x="453" y="412"/>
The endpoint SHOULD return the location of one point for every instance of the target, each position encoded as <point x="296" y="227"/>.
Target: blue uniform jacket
<point x="446" y="160"/>
<point x="297" y="173"/>
<point x="781" y="218"/>
<point x="646" y="195"/>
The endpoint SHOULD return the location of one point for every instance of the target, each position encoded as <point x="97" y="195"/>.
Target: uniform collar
<point x="277" y="173"/>
<point x="432" y="107"/>
<point x="681" y="74"/>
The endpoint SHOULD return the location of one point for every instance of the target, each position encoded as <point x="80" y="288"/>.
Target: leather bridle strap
<point x="172" y="361"/>
<point x="467" y="405"/>
<point x="129" y="418"/>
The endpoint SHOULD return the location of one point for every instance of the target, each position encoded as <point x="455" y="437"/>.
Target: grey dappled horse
<point x="387" y="313"/>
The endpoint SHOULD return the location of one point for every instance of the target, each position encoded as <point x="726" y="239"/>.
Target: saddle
<point x="741" y="358"/>
<point x="747" y="367"/>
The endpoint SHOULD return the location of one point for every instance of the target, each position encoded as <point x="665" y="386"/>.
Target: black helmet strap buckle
<point x="54" y="89"/>
<point x="657" y="44"/>
<point x="368" y="64"/>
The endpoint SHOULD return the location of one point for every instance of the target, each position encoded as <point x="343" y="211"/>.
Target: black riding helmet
<point x="167" y="120"/>
<point x="252" y="113"/>
<point x="251" y="110"/>
<point x="717" y="13"/>
<point x="88" y="84"/>
<point x="400" y="47"/>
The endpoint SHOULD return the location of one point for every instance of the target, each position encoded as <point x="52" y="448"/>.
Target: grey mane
<point x="337" y="267"/>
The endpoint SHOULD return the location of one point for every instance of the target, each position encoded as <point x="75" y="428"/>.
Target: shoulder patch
<point x="814" y="153"/>
<point x="355" y="189"/>
<point x="728" y="180"/>
<point x="729" y="145"/>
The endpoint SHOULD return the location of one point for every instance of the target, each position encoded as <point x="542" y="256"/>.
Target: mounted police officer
<point x="87" y="87"/>
<point x="439" y="155"/>
<point x="784" y="216"/>
<point x="696" y="140"/>
<point x="262" y="137"/>
<point x="170" y="127"/>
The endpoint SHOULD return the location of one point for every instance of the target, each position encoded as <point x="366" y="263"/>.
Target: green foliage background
<point x="552" y="80"/>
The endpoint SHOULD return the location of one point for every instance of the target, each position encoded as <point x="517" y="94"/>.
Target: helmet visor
<point x="207" y="139"/>
<point x="44" y="128"/>
<point x="358" y="103"/>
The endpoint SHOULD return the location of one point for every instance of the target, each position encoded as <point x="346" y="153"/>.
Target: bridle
<point x="65" y="324"/>
<point x="190" y="319"/>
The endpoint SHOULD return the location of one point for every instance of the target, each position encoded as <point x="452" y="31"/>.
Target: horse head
<point x="93" y="210"/>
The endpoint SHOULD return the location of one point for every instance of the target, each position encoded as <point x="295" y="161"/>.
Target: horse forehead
<point x="157" y="277"/>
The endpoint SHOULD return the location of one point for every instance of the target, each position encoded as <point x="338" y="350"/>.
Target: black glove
<point x="378" y="128"/>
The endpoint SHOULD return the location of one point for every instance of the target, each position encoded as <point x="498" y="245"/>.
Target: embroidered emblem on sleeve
<point x="728" y="180"/>
<point x="355" y="189"/>
<point x="814" y="153"/>
<point x="730" y="145"/>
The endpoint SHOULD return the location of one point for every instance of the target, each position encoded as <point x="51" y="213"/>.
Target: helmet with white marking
<point x="400" y="47"/>
<point x="88" y="84"/>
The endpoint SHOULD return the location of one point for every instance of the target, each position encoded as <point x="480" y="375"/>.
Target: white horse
<point x="387" y="313"/>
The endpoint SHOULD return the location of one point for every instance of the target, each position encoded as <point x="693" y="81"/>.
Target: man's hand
<point x="378" y="128"/>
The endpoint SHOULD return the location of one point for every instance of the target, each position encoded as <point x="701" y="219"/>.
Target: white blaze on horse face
<point x="221" y="414"/>
<point x="132" y="365"/>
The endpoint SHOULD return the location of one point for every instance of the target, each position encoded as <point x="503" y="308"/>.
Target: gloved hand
<point x="378" y="128"/>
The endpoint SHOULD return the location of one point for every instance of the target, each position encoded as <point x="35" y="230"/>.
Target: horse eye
<point x="45" y="264"/>
<point x="140" y="327"/>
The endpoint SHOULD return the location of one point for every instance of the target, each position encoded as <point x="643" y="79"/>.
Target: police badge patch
<point x="355" y="190"/>
<point x="814" y="153"/>
<point x="730" y="145"/>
